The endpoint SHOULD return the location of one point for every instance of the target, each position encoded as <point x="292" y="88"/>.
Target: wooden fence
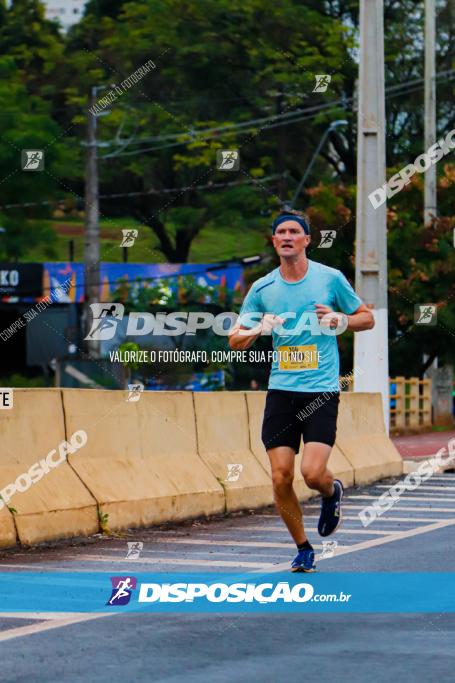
<point x="410" y="403"/>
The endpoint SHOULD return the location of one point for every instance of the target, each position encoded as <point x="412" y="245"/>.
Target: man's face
<point x="290" y="239"/>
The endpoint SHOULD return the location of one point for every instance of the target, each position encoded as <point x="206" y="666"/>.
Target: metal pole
<point x="371" y="361"/>
<point x="328" y="130"/>
<point x="430" y="196"/>
<point x="92" y="235"/>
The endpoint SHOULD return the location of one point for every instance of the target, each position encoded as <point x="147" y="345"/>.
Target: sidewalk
<point x="422" y="445"/>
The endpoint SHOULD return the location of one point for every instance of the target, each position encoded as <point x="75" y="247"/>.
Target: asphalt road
<point x="418" y="534"/>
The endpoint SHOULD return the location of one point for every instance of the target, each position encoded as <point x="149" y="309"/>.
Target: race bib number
<point x="298" y="357"/>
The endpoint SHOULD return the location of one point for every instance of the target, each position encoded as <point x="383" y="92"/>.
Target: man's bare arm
<point x="361" y="319"/>
<point x="241" y="337"/>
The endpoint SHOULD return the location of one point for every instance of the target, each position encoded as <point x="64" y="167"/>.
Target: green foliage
<point x="20" y="381"/>
<point x="220" y="64"/>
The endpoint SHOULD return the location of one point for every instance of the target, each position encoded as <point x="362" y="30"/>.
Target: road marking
<point x="170" y="560"/>
<point x="403" y="508"/>
<point x="450" y="478"/>
<point x="243" y="544"/>
<point x="355" y="518"/>
<point x="307" y="528"/>
<point x="405" y="497"/>
<point x="441" y="489"/>
<point x="365" y="545"/>
<point x="47" y="626"/>
<point x="36" y="615"/>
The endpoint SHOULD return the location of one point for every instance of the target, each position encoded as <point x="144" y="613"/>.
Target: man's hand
<point x="329" y="318"/>
<point x="361" y="319"/>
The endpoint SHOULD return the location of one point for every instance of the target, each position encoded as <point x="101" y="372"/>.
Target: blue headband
<point x="290" y="217"/>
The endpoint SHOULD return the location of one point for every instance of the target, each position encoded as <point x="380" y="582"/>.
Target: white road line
<point x="307" y="528"/>
<point x="441" y="489"/>
<point x="229" y="542"/>
<point x="48" y="625"/>
<point x="403" y="508"/>
<point x="405" y="497"/>
<point x="353" y="518"/>
<point x="187" y="562"/>
<point x="365" y="545"/>
<point x="448" y="478"/>
<point x="36" y="615"/>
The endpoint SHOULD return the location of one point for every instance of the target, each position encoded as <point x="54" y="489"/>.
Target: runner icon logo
<point x="425" y="314"/>
<point x="129" y="237"/>
<point x="134" y="392"/>
<point x="134" y="550"/>
<point x="327" y="238"/>
<point x="234" y="471"/>
<point x="322" y="82"/>
<point x="32" y="160"/>
<point x="328" y="549"/>
<point x="122" y="587"/>
<point x="105" y="320"/>
<point x="227" y="160"/>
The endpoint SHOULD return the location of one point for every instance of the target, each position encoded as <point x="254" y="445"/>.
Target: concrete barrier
<point x="163" y="458"/>
<point x="141" y="462"/>
<point x="8" y="537"/>
<point x="224" y="439"/>
<point x="58" y="505"/>
<point x="362" y="438"/>
<point x="338" y="464"/>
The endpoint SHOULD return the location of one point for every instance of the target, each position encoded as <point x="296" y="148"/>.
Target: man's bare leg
<point x="314" y="467"/>
<point x="282" y="461"/>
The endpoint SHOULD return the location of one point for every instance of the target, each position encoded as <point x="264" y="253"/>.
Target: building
<point x="66" y="12"/>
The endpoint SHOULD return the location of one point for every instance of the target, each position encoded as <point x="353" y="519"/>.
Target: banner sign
<point x="140" y="275"/>
<point x="21" y="280"/>
<point x="190" y="593"/>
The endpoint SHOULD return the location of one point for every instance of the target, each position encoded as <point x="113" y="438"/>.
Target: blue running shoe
<point x="330" y="517"/>
<point x="303" y="561"/>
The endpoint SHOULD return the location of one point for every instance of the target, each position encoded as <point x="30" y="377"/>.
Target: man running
<point x="299" y="303"/>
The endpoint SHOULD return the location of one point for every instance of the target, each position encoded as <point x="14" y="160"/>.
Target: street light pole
<point x="92" y="232"/>
<point x="371" y="361"/>
<point x="328" y="130"/>
<point x="430" y="193"/>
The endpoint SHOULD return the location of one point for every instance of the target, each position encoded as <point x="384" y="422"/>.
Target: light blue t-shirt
<point x="305" y="358"/>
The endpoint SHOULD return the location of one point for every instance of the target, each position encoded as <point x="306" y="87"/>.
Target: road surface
<point x="418" y="534"/>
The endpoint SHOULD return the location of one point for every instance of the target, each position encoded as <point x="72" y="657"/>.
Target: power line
<point x="209" y="133"/>
<point x="168" y="190"/>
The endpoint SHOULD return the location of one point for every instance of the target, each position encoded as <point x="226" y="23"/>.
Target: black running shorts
<point x="291" y="415"/>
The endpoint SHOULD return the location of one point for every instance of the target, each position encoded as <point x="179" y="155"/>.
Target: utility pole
<point x="92" y="229"/>
<point x="371" y="361"/>
<point x="430" y="196"/>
